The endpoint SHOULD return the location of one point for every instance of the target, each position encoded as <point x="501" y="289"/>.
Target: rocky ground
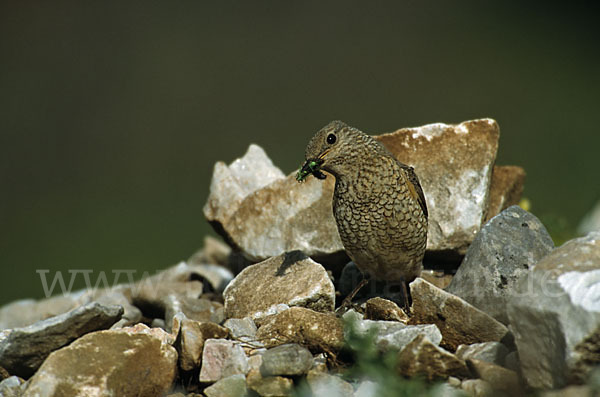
<point x="498" y="311"/>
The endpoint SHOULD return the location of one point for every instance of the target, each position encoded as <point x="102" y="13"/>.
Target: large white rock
<point x="264" y="214"/>
<point x="555" y="316"/>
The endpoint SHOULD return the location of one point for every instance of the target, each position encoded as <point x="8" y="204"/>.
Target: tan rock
<point x="290" y="279"/>
<point x="477" y="388"/>
<point x="436" y="277"/>
<point x="122" y="362"/>
<point x="264" y="214"/>
<point x="459" y="322"/>
<point x="454" y="164"/>
<point x="422" y="357"/>
<point x="506" y="189"/>
<point x="501" y="379"/>
<point x="269" y="385"/>
<point x="320" y="332"/>
<point x="383" y="309"/>
<point x="192" y="336"/>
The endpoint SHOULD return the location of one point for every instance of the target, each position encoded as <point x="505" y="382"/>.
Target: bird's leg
<point x="405" y="295"/>
<point x="347" y="302"/>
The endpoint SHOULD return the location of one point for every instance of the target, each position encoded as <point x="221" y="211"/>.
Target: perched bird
<point x="378" y="203"/>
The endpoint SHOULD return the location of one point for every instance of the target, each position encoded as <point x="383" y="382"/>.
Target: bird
<point x="378" y="204"/>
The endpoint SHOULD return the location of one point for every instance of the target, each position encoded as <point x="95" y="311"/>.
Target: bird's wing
<point x="415" y="187"/>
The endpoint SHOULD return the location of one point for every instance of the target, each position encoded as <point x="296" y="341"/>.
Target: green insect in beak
<point x="310" y="167"/>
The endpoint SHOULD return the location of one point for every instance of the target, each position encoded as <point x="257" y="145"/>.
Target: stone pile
<point x="519" y="315"/>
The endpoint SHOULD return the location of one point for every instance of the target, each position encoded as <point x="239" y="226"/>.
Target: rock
<point x="242" y="329"/>
<point x="454" y="164"/>
<point x="390" y="335"/>
<point x="270" y="385"/>
<point x="131" y="314"/>
<point x="454" y="382"/>
<point x="319" y="363"/>
<point x="436" y="277"/>
<point x="202" y="310"/>
<point x="24" y="349"/>
<point x="506" y="188"/>
<point x="491" y="352"/>
<point x="25" y="312"/>
<point x="501" y="254"/>
<point x="477" y="388"/>
<point x="424" y="358"/>
<point x="126" y="362"/>
<point x="231" y="184"/>
<point x="512" y="362"/>
<point x="290" y="279"/>
<point x="11" y="387"/>
<point x="383" y="309"/>
<point x="214" y="252"/>
<point x="367" y="388"/>
<point x="290" y="359"/>
<point x="591" y="221"/>
<point x="555" y="315"/>
<point x="222" y="358"/>
<point x="231" y="386"/>
<point x="320" y="332"/>
<point x="571" y="391"/>
<point x="499" y="378"/>
<point x="459" y="322"/>
<point x="192" y="336"/>
<point x="323" y="384"/>
<point x="240" y="193"/>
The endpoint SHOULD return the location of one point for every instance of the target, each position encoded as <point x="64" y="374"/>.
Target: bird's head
<point x="333" y="149"/>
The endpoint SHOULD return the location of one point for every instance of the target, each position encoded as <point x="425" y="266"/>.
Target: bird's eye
<point x="331" y="139"/>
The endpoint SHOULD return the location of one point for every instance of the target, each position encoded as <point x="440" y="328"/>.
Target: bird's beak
<point x="311" y="166"/>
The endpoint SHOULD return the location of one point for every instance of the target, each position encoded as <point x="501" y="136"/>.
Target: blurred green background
<point x="112" y="114"/>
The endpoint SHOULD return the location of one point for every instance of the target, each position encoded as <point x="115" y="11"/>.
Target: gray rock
<point x="391" y="335"/>
<point x="289" y="359"/>
<point x="501" y="254"/>
<point x="491" y="352"/>
<point x="290" y="279"/>
<point x="454" y="164"/>
<point x="24" y="349"/>
<point x="242" y="329"/>
<point x="323" y="384"/>
<point x="222" y="358"/>
<point x="25" y="312"/>
<point x="231" y="386"/>
<point x="11" y="387"/>
<point x="459" y="321"/>
<point x="555" y="317"/>
<point x="133" y="361"/>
